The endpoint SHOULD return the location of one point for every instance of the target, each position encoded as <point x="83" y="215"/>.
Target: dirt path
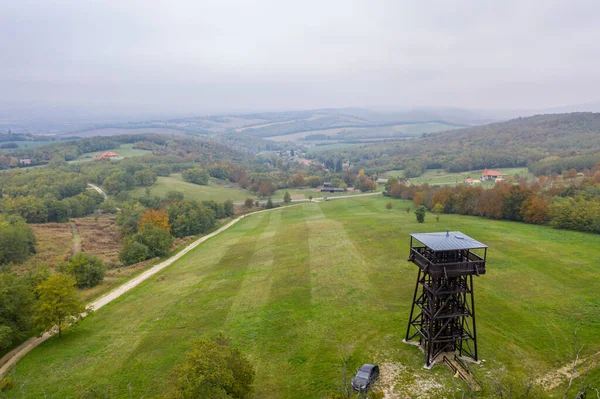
<point x="76" y="238"/>
<point x="12" y="357"/>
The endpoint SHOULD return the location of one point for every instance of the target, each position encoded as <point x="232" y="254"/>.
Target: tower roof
<point x="448" y="241"/>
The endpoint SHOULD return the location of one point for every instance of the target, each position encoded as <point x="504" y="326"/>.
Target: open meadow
<point x="301" y="287"/>
<point x="442" y="178"/>
<point x="223" y="192"/>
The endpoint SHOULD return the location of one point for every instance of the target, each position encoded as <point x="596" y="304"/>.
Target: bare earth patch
<point x="397" y="381"/>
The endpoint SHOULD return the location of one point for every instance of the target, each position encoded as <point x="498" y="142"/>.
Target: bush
<point x="214" y="369"/>
<point x="17" y="241"/>
<point x="7" y="384"/>
<point x="175" y="196"/>
<point x="87" y="269"/>
<point x="420" y="212"/>
<point x="287" y="198"/>
<point x="158" y="240"/>
<point x="248" y="203"/>
<point x="269" y="204"/>
<point x="196" y="176"/>
<point x="133" y="251"/>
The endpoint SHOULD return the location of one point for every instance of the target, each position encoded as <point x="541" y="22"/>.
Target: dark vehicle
<point x="365" y="377"/>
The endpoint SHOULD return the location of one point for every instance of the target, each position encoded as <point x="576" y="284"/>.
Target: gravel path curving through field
<point x="12" y="357"/>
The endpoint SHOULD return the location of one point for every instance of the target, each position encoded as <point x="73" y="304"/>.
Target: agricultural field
<point x="442" y="178"/>
<point x="301" y="287"/>
<point x="220" y="192"/>
<point x="124" y="150"/>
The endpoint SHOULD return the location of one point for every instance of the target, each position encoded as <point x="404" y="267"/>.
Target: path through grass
<point x="300" y="287"/>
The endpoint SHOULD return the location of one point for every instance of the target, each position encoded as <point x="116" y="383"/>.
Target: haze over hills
<point x="318" y="124"/>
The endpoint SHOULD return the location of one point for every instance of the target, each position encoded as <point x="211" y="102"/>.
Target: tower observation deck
<point x="442" y="316"/>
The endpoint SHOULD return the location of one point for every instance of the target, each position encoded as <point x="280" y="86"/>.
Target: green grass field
<point x="300" y="287"/>
<point x="124" y="150"/>
<point x="217" y="192"/>
<point x="443" y="178"/>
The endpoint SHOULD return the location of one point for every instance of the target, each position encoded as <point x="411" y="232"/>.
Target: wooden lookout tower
<point x="443" y="309"/>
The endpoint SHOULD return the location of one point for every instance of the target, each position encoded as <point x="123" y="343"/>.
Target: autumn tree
<point x="298" y="180"/>
<point x="367" y="185"/>
<point x="535" y="209"/>
<point x="248" y="203"/>
<point x="418" y="199"/>
<point x="388" y="206"/>
<point x="213" y="368"/>
<point x="59" y="303"/>
<point x="159" y="218"/>
<point x="266" y="188"/>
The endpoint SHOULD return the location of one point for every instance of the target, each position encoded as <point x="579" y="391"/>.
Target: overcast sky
<point x="222" y="55"/>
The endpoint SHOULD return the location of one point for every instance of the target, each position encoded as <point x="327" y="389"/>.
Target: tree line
<point x="564" y="204"/>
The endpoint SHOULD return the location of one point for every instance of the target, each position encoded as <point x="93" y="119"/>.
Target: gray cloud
<point x="225" y="55"/>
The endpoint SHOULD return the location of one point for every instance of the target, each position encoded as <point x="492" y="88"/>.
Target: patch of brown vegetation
<point x="54" y="245"/>
<point x="100" y="236"/>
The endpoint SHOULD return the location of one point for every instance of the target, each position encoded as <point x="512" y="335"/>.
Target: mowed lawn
<point x="218" y="192"/>
<point x="301" y="287"/>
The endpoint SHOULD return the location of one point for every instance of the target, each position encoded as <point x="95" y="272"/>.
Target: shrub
<point x="87" y="269"/>
<point x="157" y="240"/>
<point x="196" y="176"/>
<point x="249" y="202"/>
<point x="269" y="204"/>
<point x="214" y="369"/>
<point x="175" y="196"/>
<point x="420" y="212"/>
<point x="133" y="251"/>
<point x="388" y="206"/>
<point x="7" y="384"/>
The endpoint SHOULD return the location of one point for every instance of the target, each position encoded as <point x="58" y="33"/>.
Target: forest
<point x="556" y="141"/>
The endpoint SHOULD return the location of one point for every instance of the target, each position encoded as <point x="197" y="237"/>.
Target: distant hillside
<point x="505" y="144"/>
<point x="355" y="123"/>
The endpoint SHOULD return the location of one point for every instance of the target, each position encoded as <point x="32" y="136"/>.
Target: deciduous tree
<point x="213" y="368"/>
<point x="59" y="303"/>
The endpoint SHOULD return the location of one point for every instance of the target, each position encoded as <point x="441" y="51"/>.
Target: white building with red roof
<point x="489" y="174"/>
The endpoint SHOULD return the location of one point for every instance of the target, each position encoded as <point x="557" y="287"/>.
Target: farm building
<point x="470" y="181"/>
<point x="26" y="161"/>
<point x="327" y="188"/>
<point x="489" y="174"/>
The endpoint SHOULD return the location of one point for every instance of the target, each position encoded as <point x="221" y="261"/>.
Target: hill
<point x="301" y="287"/>
<point x="513" y="143"/>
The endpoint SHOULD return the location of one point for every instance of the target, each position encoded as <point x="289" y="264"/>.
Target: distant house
<point x="25" y="161"/>
<point x="106" y="155"/>
<point x="381" y="181"/>
<point x="489" y="174"/>
<point x="470" y="181"/>
<point x="330" y="189"/>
